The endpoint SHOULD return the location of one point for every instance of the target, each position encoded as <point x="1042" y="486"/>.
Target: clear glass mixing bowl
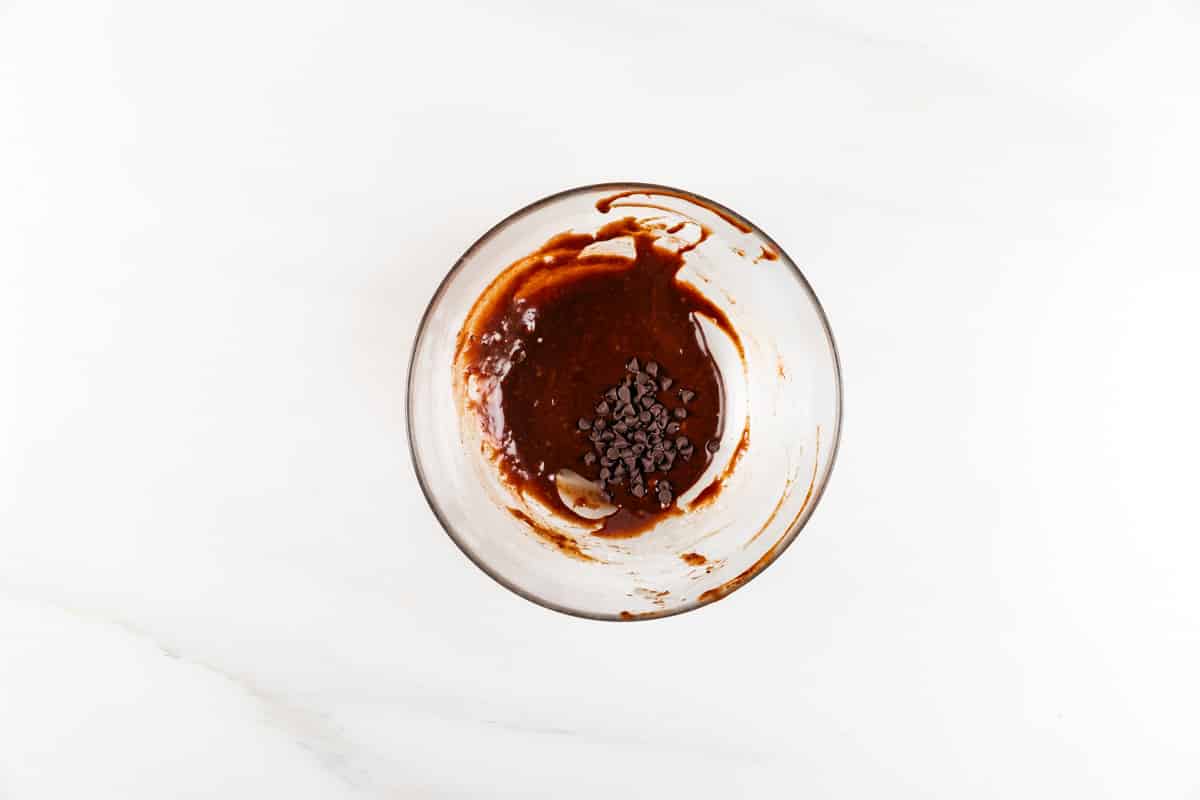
<point x="787" y="391"/>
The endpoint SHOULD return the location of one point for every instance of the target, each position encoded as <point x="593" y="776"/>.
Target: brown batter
<point x="556" y="330"/>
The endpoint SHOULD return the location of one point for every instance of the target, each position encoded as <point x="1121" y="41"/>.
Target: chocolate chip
<point x="611" y="395"/>
<point x="647" y="401"/>
<point x="638" y="491"/>
<point x="686" y="395"/>
<point x="665" y="384"/>
<point x="638" y="449"/>
<point x="605" y="473"/>
<point x="639" y="436"/>
<point x="673" y="428"/>
<point x="663" y="490"/>
<point x="620" y="441"/>
<point x="644" y="417"/>
<point x="621" y="427"/>
<point x="712" y="446"/>
<point x="602" y="407"/>
<point x="647" y="464"/>
<point x="652" y="369"/>
<point x="623" y="394"/>
<point x="611" y="453"/>
<point x="600" y="423"/>
<point x="628" y="411"/>
<point x="679" y="413"/>
<point x="584" y="424"/>
<point x="607" y="436"/>
<point x="589" y="458"/>
<point x="682" y="444"/>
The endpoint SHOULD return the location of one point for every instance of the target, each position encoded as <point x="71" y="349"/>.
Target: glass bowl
<point x="784" y="394"/>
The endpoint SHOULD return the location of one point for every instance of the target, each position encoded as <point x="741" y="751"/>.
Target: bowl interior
<point x="782" y="423"/>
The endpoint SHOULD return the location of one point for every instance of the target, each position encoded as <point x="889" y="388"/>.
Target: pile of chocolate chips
<point x="634" y="435"/>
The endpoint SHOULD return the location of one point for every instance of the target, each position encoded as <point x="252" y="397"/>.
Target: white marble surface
<point x="219" y="223"/>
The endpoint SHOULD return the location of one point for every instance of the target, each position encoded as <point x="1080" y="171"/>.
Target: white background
<point x="220" y="221"/>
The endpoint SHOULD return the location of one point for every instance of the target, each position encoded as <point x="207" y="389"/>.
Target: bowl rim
<point x="784" y="543"/>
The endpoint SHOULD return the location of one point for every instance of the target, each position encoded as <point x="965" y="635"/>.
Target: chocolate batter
<point x="560" y="328"/>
